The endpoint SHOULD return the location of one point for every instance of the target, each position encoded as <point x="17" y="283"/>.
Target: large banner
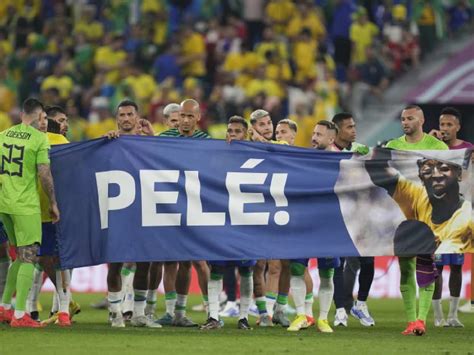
<point x="150" y="198"/>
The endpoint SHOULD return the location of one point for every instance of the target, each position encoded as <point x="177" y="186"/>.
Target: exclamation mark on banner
<point x="277" y="190"/>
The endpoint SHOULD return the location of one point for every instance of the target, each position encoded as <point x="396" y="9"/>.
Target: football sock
<point x="23" y="284"/>
<point x="139" y="302"/>
<point x="181" y="301"/>
<point x="281" y="302"/>
<point x="261" y="303"/>
<point x="326" y="293"/>
<point x="10" y="285"/>
<point x="308" y="304"/>
<point x="437" y="309"/>
<point x="246" y="292"/>
<point x="151" y="298"/>
<point x="115" y="300"/>
<point x="426" y="295"/>
<point x="214" y="288"/>
<point x="453" y="308"/>
<point x="4" y="265"/>
<point x="35" y="289"/>
<point x="63" y="290"/>
<point x="170" y="302"/>
<point x="298" y="290"/>
<point x="408" y="286"/>
<point x="271" y="300"/>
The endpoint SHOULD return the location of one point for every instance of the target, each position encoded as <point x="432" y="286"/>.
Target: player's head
<point x="440" y="178"/>
<point x="32" y="113"/>
<point x="127" y="116"/>
<point x="58" y="114"/>
<point x="449" y="123"/>
<point x="346" y="126"/>
<point x="262" y="123"/>
<point x="171" y="114"/>
<point x="286" y="131"/>
<point x="324" y="134"/>
<point x="53" y="126"/>
<point x="237" y="128"/>
<point x="189" y="116"/>
<point x="412" y="120"/>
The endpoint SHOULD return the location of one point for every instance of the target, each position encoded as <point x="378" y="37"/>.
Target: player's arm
<point x="380" y="172"/>
<point x="44" y="174"/>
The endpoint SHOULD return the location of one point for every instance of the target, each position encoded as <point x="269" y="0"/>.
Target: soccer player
<point x="129" y="123"/>
<point x="24" y="160"/>
<point x="48" y="252"/>
<point x="262" y="131"/>
<point x="449" y="126"/>
<point x="344" y="274"/>
<point x="4" y="259"/>
<point x="171" y="114"/>
<point x="236" y="130"/>
<point x="323" y="138"/>
<point x="286" y="131"/>
<point x="412" y="120"/>
<point x="177" y="280"/>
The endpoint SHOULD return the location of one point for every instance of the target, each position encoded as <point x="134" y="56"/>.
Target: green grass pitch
<point x="91" y="334"/>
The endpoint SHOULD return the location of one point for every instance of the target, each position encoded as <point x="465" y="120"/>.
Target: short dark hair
<point x="341" y="116"/>
<point x="53" y="126"/>
<point x="128" y="103"/>
<point x="411" y="107"/>
<point x="52" y="111"/>
<point x="451" y="111"/>
<point x="30" y="105"/>
<point x="238" y="119"/>
<point x="328" y="124"/>
<point x="292" y="124"/>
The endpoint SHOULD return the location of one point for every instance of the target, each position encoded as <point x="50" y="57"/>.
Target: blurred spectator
<point x="111" y="58"/>
<point x="193" y="53"/>
<point x="362" y="33"/>
<point x="166" y="65"/>
<point x="278" y="14"/>
<point x="305" y="124"/>
<point x="306" y="16"/>
<point x="100" y="118"/>
<point x="8" y="89"/>
<point x="59" y="80"/>
<point x="92" y="29"/>
<point x="373" y="82"/>
<point x="429" y="18"/>
<point x="253" y="14"/>
<point x="459" y="15"/>
<point x="304" y="56"/>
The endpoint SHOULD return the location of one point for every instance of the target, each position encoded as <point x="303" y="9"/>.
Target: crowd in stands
<point x="299" y="59"/>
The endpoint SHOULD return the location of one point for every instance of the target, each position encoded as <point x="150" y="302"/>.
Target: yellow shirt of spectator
<point x="280" y="11"/>
<point x="194" y="45"/>
<point x="305" y="130"/>
<point x="53" y="139"/>
<point x="5" y="48"/>
<point x="153" y="6"/>
<point x="105" y="56"/>
<point x="304" y="56"/>
<point x="312" y="21"/>
<point x="99" y="129"/>
<point x="143" y="85"/>
<point x="63" y="83"/>
<point x="269" y="87"/>
<point x="5" y="121"/>
<point x="278" y="71"/>
<point x="277" y="47"/>
<point x="362" y="36"/>
<point x="93" y="31"/>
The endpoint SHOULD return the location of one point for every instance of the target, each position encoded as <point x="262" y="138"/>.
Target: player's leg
<point x="214" y="285"/>
<point x="280" y="317"/>
<point x="156" y="271"/>
<point x="264" y="320"/>
<point x="127" y="275"/>
<point x="408" y="290"/>
<point x="6" y="310"/>
<point x="140" y="289"/>
<point x="298" y="290"/>
<point x="309" y="299"/>
<point x="202" y="271"/>
<point x="437" y="294"/>
<point x="170" y="272"/>
<point x="271" y="285"/>
<point x="351" y="268"/>
<point x="33" y="296"/>
<point x="246" y="293"/>
<point x="455" y="284"/>
<point x="183" y="281"/>
<point x="114" y="294"/>
<point x="366" y="276"/>
<point x="326" y="268"/>
<point x="231" y="309"/>
<point x="425" y="277"/>
<point x="27" y="231"/>
<point x="340" y="318"/>
<point x="63" y="288"/>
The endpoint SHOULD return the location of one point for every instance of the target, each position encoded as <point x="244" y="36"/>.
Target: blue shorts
<point x="49" y="240"/>
<point x="3" y="234"/>
<point x="234" y="263"/>
<point x="323" y="263"/>
<point x="449" y="259"/>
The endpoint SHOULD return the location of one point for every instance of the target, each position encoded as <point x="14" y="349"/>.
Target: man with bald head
<point x="189" y="116"/>
<point x="412" y="120"/>
<point x="177" y="280"/>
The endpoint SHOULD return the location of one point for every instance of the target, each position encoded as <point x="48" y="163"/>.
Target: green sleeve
<point x="42" y="156"/>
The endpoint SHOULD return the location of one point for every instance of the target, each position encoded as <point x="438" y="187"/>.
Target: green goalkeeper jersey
<point x="427" y="143"/>
<point x="22" y="149"/>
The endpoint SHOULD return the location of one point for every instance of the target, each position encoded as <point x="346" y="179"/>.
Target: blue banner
<point x="170" y="199"/>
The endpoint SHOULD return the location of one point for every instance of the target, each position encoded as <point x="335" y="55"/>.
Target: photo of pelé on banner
<point x="420" y="201"/>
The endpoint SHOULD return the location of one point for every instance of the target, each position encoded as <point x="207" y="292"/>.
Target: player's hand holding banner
<point x="147" y="198"/>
